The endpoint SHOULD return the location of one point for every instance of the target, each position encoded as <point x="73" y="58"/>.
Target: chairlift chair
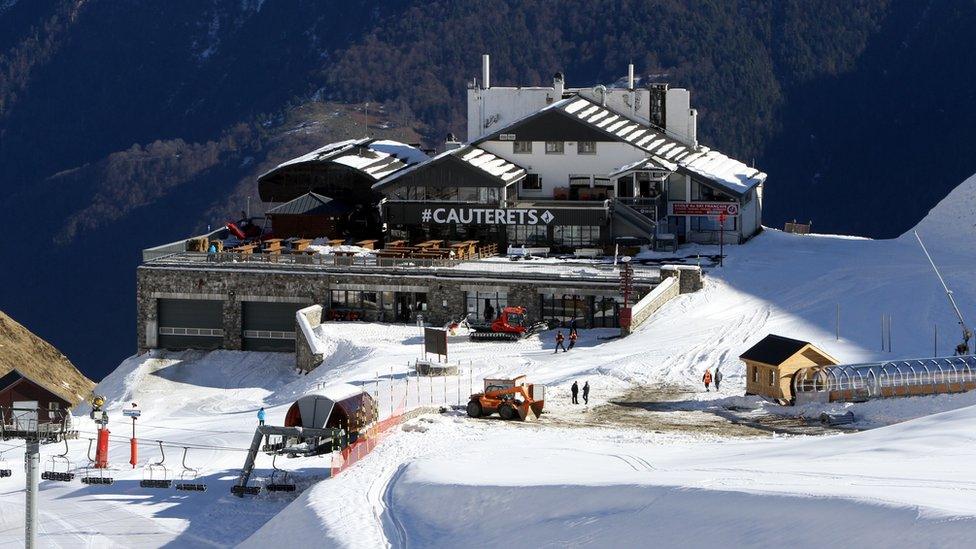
<point x="89" y="477"/>
<point x="5" y="470"/>
<point x="53" y="472"/>
<point x="280" y="479"/>
<point x="188" y="478"/>
<point x="156" y="475"/>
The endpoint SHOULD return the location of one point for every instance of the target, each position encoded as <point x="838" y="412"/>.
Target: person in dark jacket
<point x="717" y="378"/>
<point x="489" y="311"/>
<point x="575" y="391"/>
<point x="572" y="326"/>
<point x="559" y="341"/>
<point x="586" y="392"/>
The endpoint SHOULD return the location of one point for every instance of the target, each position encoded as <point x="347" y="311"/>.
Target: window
<point x="555" y="147"/>
<point x="606" y="311"/>
<point x="755" y="374"/>
<point x="522" y="147"/>
<point x="708" y="223"/>
<point x="772" y="377"/>
<point x="561" y="309"/>
<point x="527" y="235"/>
<point x="586" y="147"/>
<point x="485" y="305"/>
<point x="532" y="182"/>
<point x="707" y="194"/>
<point x="576" y="235"/>
<point x="53" y="406"/>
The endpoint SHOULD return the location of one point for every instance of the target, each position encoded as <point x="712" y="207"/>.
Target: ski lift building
<point x="894" y="378"/>
<point x="341" y="406"/>
<point x="772" y="363"/>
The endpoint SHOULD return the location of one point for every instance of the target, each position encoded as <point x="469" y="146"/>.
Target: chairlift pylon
<point x="156" y="475"/>
<point x="280" y="479"/>
<point x="51" y="471"/>
<point x="188" y="478"/>
<point x="89" y="478"/>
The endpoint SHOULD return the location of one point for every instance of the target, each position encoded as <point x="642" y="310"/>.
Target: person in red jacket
<point x="707" y="379"/>
<point x="572" y="339"/>
<point x="559" y="341"/>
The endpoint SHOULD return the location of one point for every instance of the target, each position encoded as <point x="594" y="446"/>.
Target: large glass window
<point x="586" y="147"/>
<point x="532" y="182"/>
<point x="704" y="193"/>
<point x="485" y="305"/>
<point x="555" y="147"/>
<point x="606" y="311"/>
<point x="562" y="309"/>
<point x="522" y="147"/>
<point x="576" y="235"/>
<point x="527" y="235"/>
<point x="708" y="223"/>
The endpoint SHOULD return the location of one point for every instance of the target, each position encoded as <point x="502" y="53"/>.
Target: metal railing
<point x="35" y="424"/>
<point x="887" y="379"/>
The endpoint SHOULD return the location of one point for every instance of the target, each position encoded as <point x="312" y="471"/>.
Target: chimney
<point x="485" y="72"/>
<point x="558" y="85"/>
<point x="630" y="76"/>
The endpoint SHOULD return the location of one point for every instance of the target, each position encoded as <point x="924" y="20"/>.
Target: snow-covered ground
<point x="446" y="480"/>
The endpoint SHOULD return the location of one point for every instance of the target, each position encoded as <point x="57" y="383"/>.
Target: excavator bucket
<point x="526" y="413"/>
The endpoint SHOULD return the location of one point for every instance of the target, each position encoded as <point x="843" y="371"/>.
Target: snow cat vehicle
<point x="508" y="326"/>
<point x="509" y="398"/>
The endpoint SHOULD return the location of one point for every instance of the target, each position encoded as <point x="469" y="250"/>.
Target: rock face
<point x="40" y="361"/>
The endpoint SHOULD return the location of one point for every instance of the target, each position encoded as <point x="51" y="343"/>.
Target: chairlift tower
<point x="26" y="424"/>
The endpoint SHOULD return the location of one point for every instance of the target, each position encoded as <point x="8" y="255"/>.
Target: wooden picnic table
<point x="430" y="244"/>
<point x="368" y="244"/>
<point x="300" y="244"/>
<point x="244" y="249"/>
<point x="396" y="244"/>
<point x="392" y="253"/>
<point x="272" y="245"/>
<point x="336" y="241"/>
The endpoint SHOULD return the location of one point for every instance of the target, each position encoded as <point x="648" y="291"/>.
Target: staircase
<point x="637" y="220"/>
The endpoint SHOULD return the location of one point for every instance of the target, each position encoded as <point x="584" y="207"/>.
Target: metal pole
<point x="32" y="459"/>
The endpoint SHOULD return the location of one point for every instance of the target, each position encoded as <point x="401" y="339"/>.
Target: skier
<point x="586" y="392"/>
<point x="717" y="378"/>
<point x="572" y="339"/>
<point x="572" y="326"/>
<point x="575" y="391"/>
<point x="261" y="416"/>
<point x="559" y="341"/>
<point x="707" y="379"/>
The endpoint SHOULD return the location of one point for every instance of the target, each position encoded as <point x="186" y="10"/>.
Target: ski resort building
<point x="772" y="364"/>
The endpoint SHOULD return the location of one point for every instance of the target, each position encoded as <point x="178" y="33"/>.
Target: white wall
<point x="680" y="120"/>
<point x="555" y="169"/>
<point x="498" y="107"/>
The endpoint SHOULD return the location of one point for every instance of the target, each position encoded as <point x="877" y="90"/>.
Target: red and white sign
<point x="703" y="208"/>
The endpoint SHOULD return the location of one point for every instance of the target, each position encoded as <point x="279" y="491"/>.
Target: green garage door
<point x="269" y="326"/>
<point x="190" y="324"/>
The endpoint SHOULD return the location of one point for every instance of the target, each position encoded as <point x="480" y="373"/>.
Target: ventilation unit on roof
<point x="657" y="108"/>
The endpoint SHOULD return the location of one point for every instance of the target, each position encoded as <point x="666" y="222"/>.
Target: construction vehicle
<point x="509" y="398"/>
<point x="963" y="347"/>
<point x="508" y="326"/>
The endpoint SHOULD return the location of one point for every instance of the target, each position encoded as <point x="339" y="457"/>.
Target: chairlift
<point x="188" y="478"/>
<point x="53" y="472"/>
<point x="5" y="470"/>
<point x="89" y="478"/>
<point x="280" y="479"/>
<point x="156" y="475"/>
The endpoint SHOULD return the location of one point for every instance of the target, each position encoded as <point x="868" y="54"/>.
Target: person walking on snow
<point x="586" y="392"/>
<point x="261" y="416"/>
<point x="707" y="379"/>
<point x="572" y="339"/>
<point x="717" y="378"/>
<point x="575" y="390"/>
<point x="559" y="341"/>
<point x="572" y="327"/>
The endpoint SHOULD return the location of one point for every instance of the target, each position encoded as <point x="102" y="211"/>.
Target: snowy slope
<point x="451" y="481"/>
<point x="951" y="224"/>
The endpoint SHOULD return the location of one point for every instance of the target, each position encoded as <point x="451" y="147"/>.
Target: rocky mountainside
<point x="125" y="128"/>
<point x="40" y="361"/>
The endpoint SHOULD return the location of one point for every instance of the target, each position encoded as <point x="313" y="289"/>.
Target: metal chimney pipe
<point x="630" y="76"/>
<point x="485" y="72"/>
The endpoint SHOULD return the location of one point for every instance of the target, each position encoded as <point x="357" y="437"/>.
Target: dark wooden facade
<point x="15" y="387"/>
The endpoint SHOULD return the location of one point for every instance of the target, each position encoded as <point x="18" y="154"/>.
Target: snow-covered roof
<point x="376" y="158"/>
<point x="503" y="171"/>
<point x="706" y="163"/>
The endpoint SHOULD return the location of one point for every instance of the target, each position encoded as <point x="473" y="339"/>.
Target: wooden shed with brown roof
<point x="771" y="364"/>
<point x="33" y="371"/>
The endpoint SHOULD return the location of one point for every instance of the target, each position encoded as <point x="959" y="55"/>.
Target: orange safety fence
<point x="368" y="441"/>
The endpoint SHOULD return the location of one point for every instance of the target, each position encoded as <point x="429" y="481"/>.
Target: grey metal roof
<point x="309" y="204"/>
<point x="375" y="158"/>
<point x="500" y="171"/>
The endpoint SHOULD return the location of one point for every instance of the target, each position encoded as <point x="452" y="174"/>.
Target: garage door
<point x="269" y="326"/>
<point x="190" y="324"/>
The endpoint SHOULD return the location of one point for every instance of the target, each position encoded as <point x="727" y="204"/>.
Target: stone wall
<point x="445" y="295"/>
<point x="649" y="304"/>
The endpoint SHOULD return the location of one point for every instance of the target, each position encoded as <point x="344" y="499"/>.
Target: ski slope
<point x="450" y="481"/>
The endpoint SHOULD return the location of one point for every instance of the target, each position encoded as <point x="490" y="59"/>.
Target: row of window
<point x="482" y="195"/>
<point x="555" y="147"/>
<point x="587" y="311"/>
<point x="755" y="376"/>
<point x="570" y="236"/>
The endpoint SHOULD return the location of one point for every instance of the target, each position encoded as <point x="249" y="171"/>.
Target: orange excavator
<point x="511" y="398"/>
<point x="508" y="326"/>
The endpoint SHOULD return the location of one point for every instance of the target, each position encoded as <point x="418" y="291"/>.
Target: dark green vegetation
<point x="125" y="126"/>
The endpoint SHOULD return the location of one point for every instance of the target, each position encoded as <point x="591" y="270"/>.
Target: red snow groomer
<point x="509" y="326"/>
